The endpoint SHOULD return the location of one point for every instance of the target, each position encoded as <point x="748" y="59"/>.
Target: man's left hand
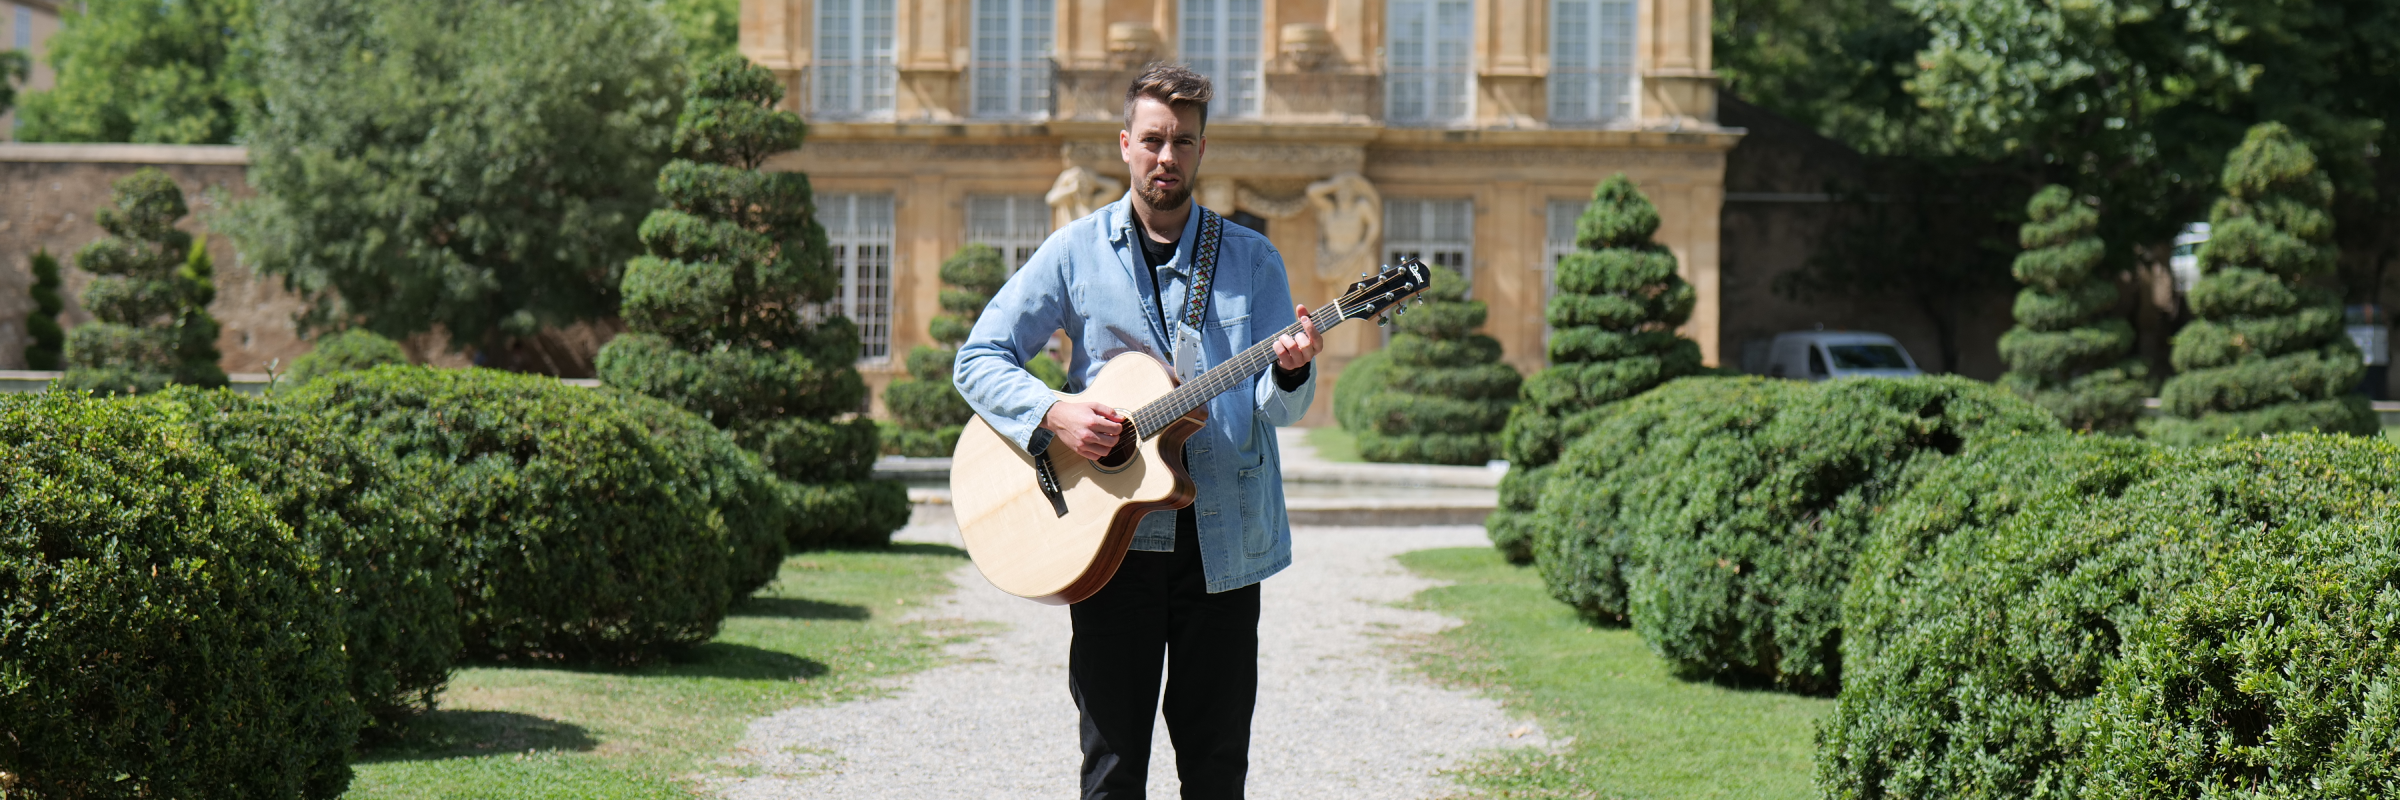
<point x="1293" y="351"/>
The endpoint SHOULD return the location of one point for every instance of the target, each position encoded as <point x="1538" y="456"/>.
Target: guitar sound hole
<point x="1119" y="458"/>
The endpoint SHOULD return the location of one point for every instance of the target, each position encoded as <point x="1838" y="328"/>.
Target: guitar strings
<point x="1152" y="419"/>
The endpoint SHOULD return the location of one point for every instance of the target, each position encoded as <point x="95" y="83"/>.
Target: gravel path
<point x="1339" y="714"/>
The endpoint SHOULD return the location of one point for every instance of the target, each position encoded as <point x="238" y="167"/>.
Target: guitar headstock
<point x="1385" y="291"/>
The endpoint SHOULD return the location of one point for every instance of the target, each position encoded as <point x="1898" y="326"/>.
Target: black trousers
<point x="1157" y="612"/>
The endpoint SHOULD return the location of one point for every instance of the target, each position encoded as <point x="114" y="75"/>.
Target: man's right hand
<point x="1090" y="429"/>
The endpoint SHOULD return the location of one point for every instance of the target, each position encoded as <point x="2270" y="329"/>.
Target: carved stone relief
<point x="1077" y="193"/>
<point x="1349" y="222"/>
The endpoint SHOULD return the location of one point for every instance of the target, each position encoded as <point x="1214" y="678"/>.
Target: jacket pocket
<point x="1256" y="486"/>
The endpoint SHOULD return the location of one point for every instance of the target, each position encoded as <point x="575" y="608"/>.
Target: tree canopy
<point x="469" y="167"/>
<point x="145" y="71"/>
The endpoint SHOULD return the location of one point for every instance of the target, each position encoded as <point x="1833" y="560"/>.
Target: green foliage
<point x="476" y="167"/>
<point x="15" y="68"/>
<point x="1721" y="516"/>
<point x="345" y="351"/>
<point x="1364" y="377"/>
<point x="584" y="525"/>
<point x="2069" y="353"/>
<point x="46" y="338"/>
<point x="711" y="309"/>
<point x="711" y="28"/>
<point x="2147" y="617"/>
<point x="1444" y="394"/>
<point x="2266" y="354"/>
<point x="166" y="635"/>
<point x="184" y="72"/>
<point x="151" y="296"/>
<point x="364" y="521"/>
<point x="928" y="405"/>
<point x="1613" y="320"/>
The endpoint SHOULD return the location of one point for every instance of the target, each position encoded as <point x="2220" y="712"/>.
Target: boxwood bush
<point x="1446" y="392"/>
<point x="366" y="524"/>
<point x="164" y="635"/>
<point x="586" y="525"/>
<point x="343" y="351"/>
<point x="2223" y="622"/>
<point x="1735" y="507"/>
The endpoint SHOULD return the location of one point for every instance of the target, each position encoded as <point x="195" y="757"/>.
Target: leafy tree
<point x="183" y="72"/>
<point x="2069" y="353"/>
<point x="929" y="409"/>
<point x="472" y="167"/>
<point x="151" y="296"/>
<point x="2268" y="353"/>
<point x="353" y="350"/>
<point x="14" y="68"/>
<point x="1446" y="394"/>
<point x="716" y="311"/>
<point x="42" y="325"/>
<point x="1840" y="67"/>
<point x="1613" y="336"/>
<point x="711" y="28"/>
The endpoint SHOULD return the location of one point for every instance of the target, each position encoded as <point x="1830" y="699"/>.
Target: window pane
<point x="1438" y="231"/>
<point x="853" y="73"/>
<point x="1221" y="41"/>
<point x="860" y="229"/>
<point x="1012" y="58"/>
<point x="1428" y="76"/>
<point x="1591" y="60"/>
<point x="1015" y="224"/>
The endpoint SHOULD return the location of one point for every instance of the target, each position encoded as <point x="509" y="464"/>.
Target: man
<point x="1187" y="596"/>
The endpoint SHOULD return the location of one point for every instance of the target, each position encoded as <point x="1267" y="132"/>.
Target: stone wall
<point x="48" y="194"/>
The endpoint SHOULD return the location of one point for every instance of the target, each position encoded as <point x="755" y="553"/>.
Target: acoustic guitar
<point x="1053" y="526"/>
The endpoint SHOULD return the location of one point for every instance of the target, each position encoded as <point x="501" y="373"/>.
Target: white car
<point x="1823" y="355"/>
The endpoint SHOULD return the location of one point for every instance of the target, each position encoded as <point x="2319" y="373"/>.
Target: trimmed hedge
<point x="165" y="635"/>
<point x="2205" y="621"/>
<point x="149" y="296"/>
<point x="585" y="525"/>
<point x="711" y="311"/>
<point x="1721" y="516"/>
<point x="2068" y="353"/>
<point x="2266" y="354"/>
<point x="1613" y="323"/>
<point x="1444" y="394"/>
<point x="364" y="522"/>
<point x="44" y="339"/>
<point x="928" y="407"/>
<point x="345" y="351"/>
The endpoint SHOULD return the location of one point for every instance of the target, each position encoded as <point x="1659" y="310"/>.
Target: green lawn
<point x="2392" y="432"/>
<point x="1637" y="731"/>
<point x="1334" y="444"/>
<point x="822" y="633"/>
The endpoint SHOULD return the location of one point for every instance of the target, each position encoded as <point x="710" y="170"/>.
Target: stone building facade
<point x="1353" y="132"/>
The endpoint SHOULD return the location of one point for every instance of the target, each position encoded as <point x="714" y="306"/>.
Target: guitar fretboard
<point x="1237" y="371"/>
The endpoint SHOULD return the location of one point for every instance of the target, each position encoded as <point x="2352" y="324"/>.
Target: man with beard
<point x="1136" y="276"/>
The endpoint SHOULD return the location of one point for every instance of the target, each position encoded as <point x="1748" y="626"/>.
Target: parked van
<point x="1821" y="355"/>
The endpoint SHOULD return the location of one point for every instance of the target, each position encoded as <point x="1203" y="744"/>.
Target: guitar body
<point x="1016" y="535"/>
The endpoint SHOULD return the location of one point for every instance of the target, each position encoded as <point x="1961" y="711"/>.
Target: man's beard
<point x="1163" y="199"/>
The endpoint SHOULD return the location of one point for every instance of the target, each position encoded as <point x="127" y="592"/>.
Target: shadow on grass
<point x="798" y="608"/>
<point x="449" y="734"/>
<point x="742" y="662"/>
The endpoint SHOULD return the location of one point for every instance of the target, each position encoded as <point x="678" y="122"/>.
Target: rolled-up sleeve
<point x="1270" y="313"/>
<point x="990" y="371"/>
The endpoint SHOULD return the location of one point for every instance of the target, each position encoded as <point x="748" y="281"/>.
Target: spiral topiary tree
<point x="41" y="327"/>
<point x="2068" y="354"/>
<point x="1613" y="336"/>
<point x="720" y="311"/>
<point x="151" y="297"/>
<point x="1446" y="394"/>
<point x="929" y="409"/>
<point x="2267" y="353"/>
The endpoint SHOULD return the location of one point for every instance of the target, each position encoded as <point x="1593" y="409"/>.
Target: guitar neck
<point x="1153" y="418"/>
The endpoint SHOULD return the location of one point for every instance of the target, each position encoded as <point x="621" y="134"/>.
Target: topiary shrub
<point x="1612" y="323"/>
<point x="1362" y="378"/>
<point x="1999" y="673"/>
<point x="929" y="409"/>
<point x="1733" y="509"/>
<point x="2069" y="353"/>
<point x="365" y="522"/>
<point x="164" y="635"/>
<point x="584" y="525"/>
<point x="715" y="312"/>
<point x="345" y="351"/>
<point x="151" y="297"/>
<point x="2267" y="353"/>
<point x="43" y="336"/>
<point x="1445" y="392"/>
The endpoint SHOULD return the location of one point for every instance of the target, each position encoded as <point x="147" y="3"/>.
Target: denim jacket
<point x="1084" y="280"/>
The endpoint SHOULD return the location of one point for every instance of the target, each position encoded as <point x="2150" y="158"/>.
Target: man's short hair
<point x="1173" y="84"/>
